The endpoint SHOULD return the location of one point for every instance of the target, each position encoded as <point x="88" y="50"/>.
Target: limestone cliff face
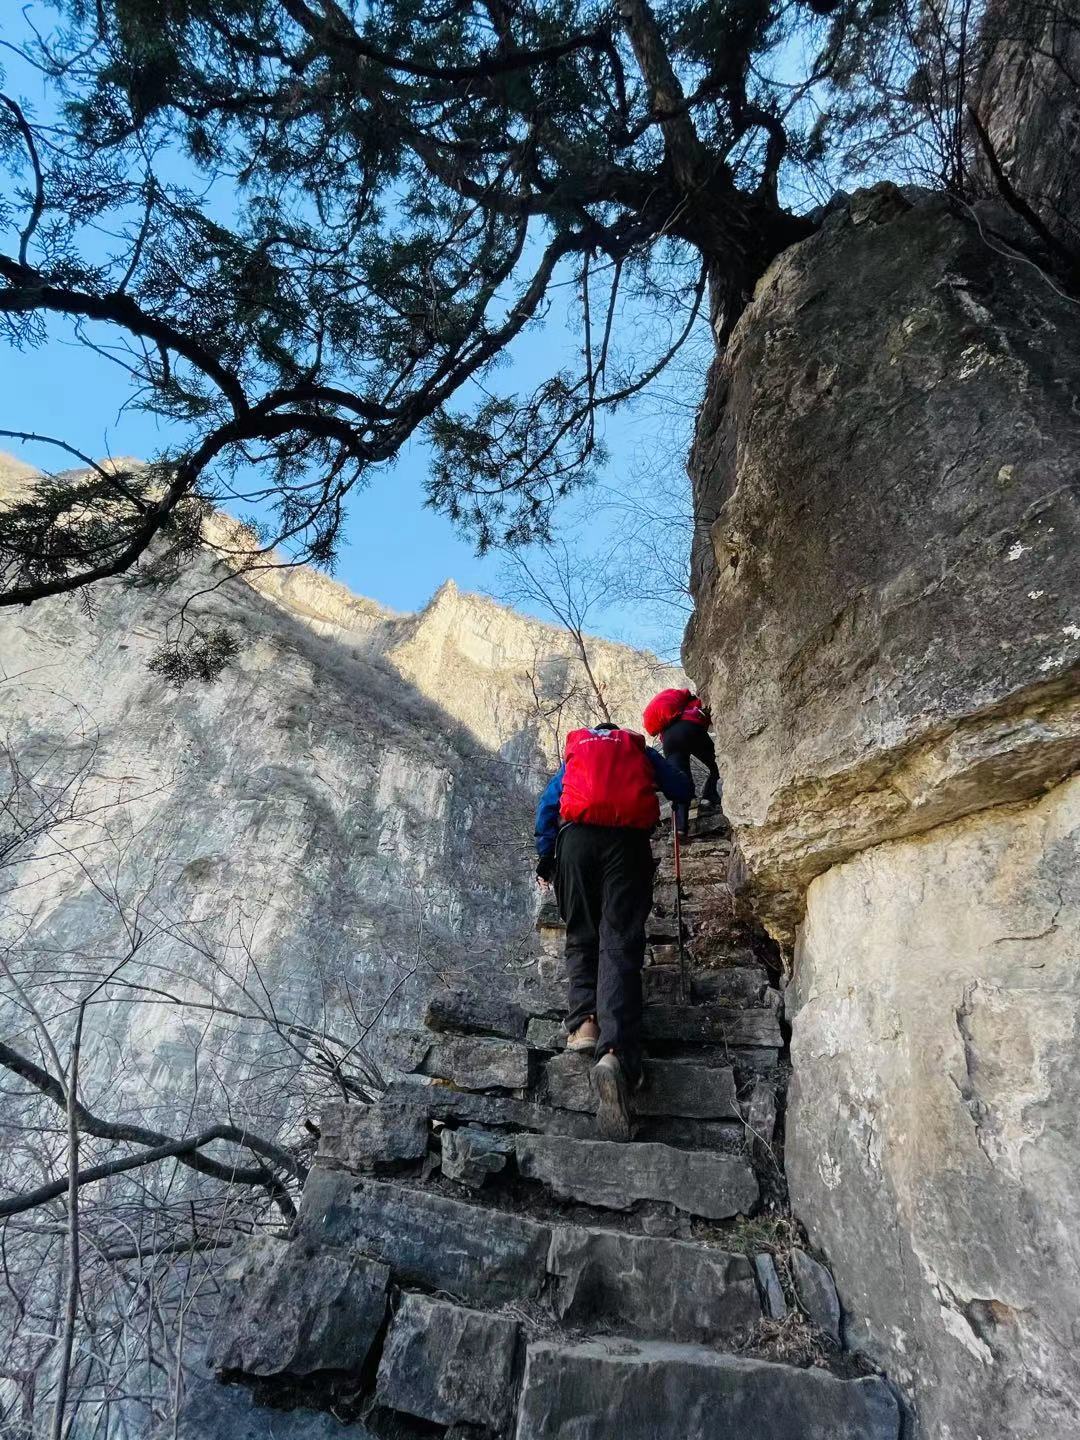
<point x="934" y="1122"/>
<point x="888" y="629"/>
<point x="344" y="814"/>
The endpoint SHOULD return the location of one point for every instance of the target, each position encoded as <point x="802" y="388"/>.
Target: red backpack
<point x="608" y="780"/>
<point x="697" y="713"/>
<point x="664" y="709"/>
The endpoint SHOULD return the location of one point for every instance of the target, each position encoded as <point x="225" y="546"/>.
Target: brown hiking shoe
<point x="612" y="1096"/>
<point x="585" y="1037"/>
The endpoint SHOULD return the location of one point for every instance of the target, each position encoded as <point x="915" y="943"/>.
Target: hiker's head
<point x="604" y="727"/>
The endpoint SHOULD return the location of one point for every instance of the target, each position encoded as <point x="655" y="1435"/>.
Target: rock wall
<point x="888" y="630"/>
<point x="934" y="1122"/>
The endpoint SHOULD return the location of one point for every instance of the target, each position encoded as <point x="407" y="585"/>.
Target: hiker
<point x="682" y="723"/>
<point x="592" y="836"/>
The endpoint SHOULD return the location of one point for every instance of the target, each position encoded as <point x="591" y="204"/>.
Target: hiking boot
<point x="585" y="1037"/>
<point x="612" y="1096"/>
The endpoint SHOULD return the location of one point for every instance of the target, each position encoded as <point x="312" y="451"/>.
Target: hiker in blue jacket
<point x="592" y="837"/>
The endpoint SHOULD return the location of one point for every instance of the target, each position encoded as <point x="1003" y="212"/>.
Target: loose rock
<point x="817" y="1293"/>
<point x="476" y="1063"/>
<point x="470" y="1155"/>
<point x="772" y="1292"/>
<point x="359" y="1136"/>
<point x="545" y="1034"/>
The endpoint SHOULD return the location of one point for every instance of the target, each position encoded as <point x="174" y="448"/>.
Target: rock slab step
<point x="395" y="1128"/>
<point x="711" y="1025"/>
<point x="466" y="1107"/>
<point x="645" y="1286"/>
<point x="695" y="1092"/>
<point x="477" y="1063"/>
<point x="482" y="1256"/>
<point x="605" y="1173"/>
<point x="293" y="1307"/>
<point x="447" y="1364"/>
<point x="463" y="1010"/>
<point x="655" y="1390"/>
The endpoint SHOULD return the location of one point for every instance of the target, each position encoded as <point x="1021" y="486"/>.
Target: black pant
<point x="603" y="882"/>
<point x="681" y="740"/>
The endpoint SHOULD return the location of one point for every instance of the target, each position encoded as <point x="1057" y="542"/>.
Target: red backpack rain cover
<point x="664" y="709"/>
<point x="608" y="780"/>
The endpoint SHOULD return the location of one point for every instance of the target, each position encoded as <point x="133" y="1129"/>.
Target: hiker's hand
<point x="545" y="869"/>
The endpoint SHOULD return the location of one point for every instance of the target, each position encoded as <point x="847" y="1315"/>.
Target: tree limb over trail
<point x="409" y="190"/>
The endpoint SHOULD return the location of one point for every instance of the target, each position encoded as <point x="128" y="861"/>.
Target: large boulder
<point x="888" y="600"/>
<point x="1028" y="101"/>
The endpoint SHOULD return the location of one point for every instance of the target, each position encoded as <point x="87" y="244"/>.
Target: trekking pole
<point x="683" y="989"/>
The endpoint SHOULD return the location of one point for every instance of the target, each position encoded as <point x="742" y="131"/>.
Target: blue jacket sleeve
<point x="672" y="782"/>
<point x="547" y="815"/>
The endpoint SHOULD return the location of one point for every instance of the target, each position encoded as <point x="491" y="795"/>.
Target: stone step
<point x="695" y="1092"/>
<point x="648" y="1286"/>
<point x="464" y="1011"/>
<point x="475" y="1062"/>
<point x="652" y="1389"/>
<point x="364" y="1233"/>
<point x="449" y="1365"/>
<point x="712" y="1025"/>
<point x="397" y="1126"/>
<point x="465" y="1107"/>
<point x="476" y="1254"/>
<point x="729" y="985"/>
<point x="722" y="1135"/>
<point x="616" y="1176"/>
<point x="358" y="1137"/>
<point x="290" y="1309"/>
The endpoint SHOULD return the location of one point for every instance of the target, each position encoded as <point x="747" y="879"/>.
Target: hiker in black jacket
<point x="682" y="723"/>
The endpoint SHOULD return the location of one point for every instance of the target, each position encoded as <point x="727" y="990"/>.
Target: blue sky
<point x="394" y="549"/>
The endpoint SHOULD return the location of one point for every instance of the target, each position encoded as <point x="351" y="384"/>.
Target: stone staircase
<point x="471" y="1260"/>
